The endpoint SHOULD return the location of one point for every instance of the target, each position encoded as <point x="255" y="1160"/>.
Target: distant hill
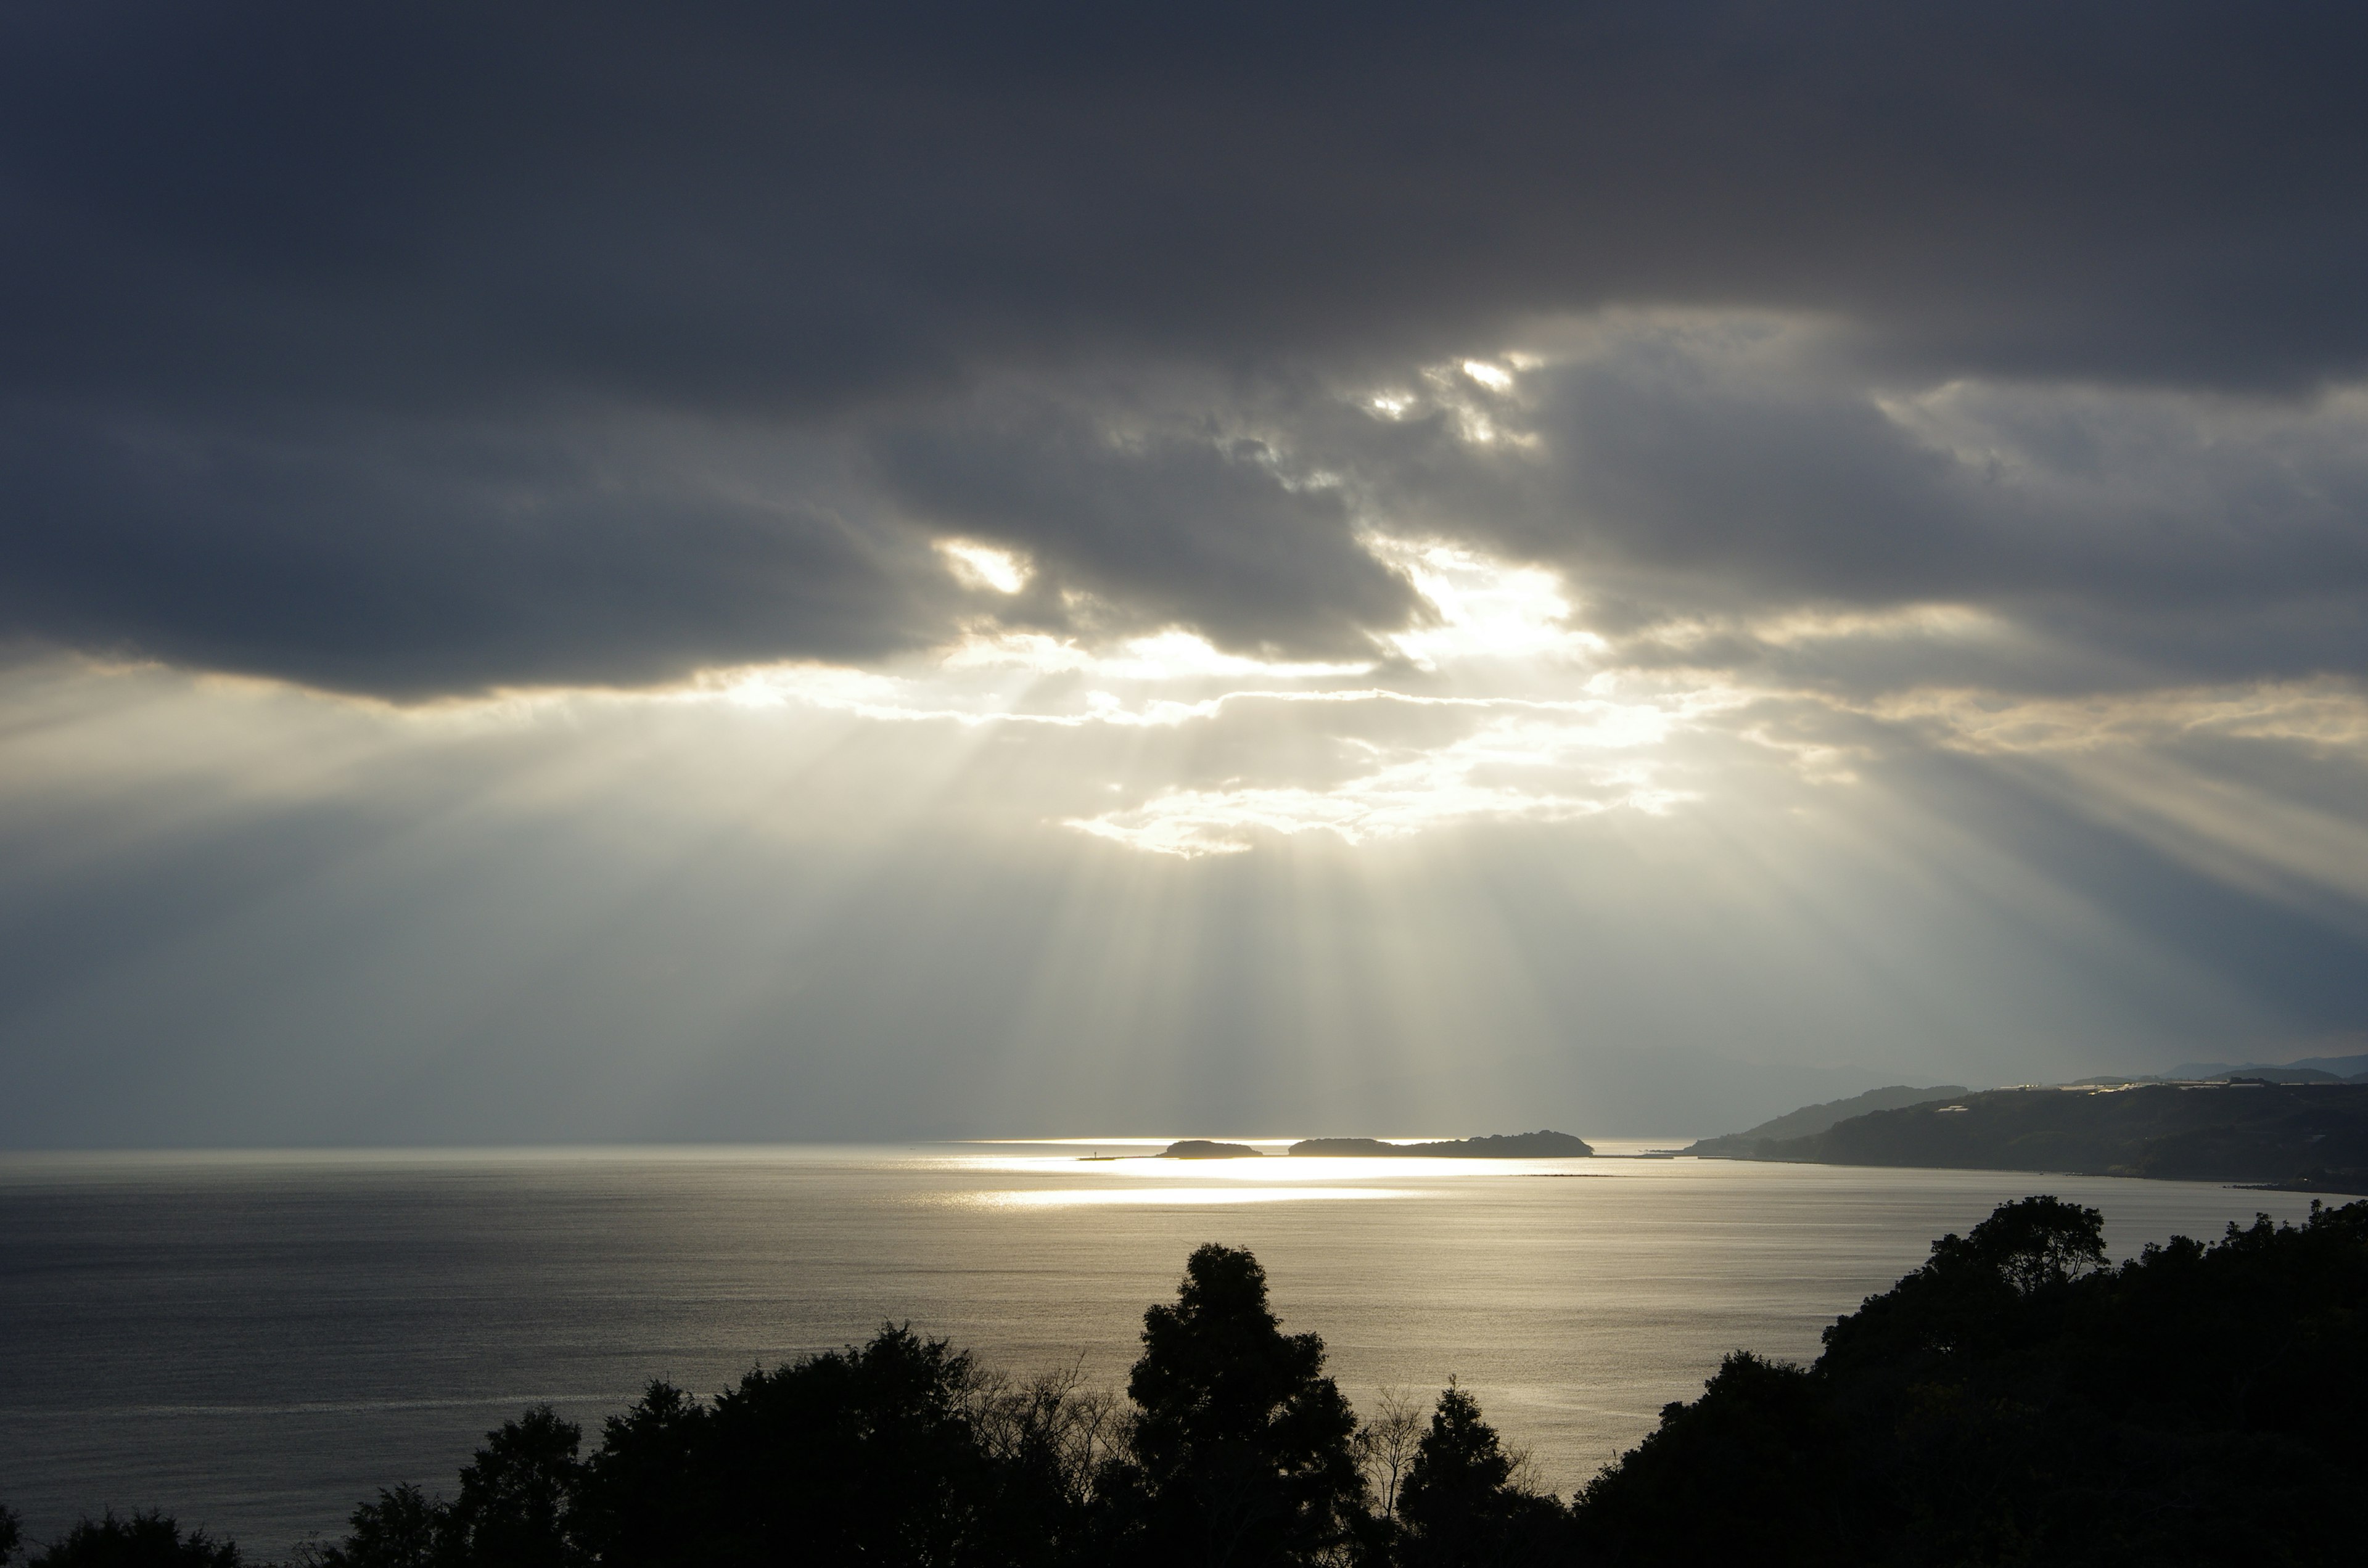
<point x="2314" y="1135"/>
<point x="1540" y="1145"/>
<point x="1201" y="1149"/>
<point x="2309" y="1070"/>
<point x="1812" y="1119"/>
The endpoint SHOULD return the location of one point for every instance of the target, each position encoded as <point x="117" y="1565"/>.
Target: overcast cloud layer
<point x="426" y="349"/>
<point x="1461" y="460"/>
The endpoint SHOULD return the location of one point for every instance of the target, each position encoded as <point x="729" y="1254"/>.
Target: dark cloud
<point x="282" y="237"/>
<point x="1692" y="477"/>
<point x="414" y="560"/>
<point x="2189" y="542"/>
<point x="780" y="203"/>
<point x="1158" y="526"/>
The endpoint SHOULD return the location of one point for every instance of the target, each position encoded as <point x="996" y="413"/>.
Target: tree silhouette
<point x="1049" y="1440"/>
<point x="2034" y="1243"/>
<point x="1460" y="1504"/>
<point x="144" y="1540"/>
<point x="2014" y="1399"/>
<point x="12" y="1530"/>
<point x="1385" y="1445"/>
<point x="863" y="1455"/>
<point x="514" y="1496"/>
<point x="647" y="1497"/>
<point x="2002" y="1278"/>
<point x="898" y="1451"/>
<point x="1241" y="1449"/>
<point x="1747" y="1472"/>
<point x="405" y="1528"/>
<point x="1458" y="1461"/>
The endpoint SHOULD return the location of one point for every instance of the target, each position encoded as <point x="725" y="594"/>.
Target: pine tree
<point x="1241" y="1454"/>
<point x="1461" y="1502"/>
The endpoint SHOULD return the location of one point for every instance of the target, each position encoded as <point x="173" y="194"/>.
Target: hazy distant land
<point x="1813" y="1118"/>
<point x="2302" y="1136"/>
<point x="2309" y="1070"/>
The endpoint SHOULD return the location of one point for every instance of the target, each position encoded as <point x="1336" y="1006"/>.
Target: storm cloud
<point x="435" y="349"/>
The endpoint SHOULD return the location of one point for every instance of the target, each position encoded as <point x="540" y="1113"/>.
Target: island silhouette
<point x="1542" y="1144"/>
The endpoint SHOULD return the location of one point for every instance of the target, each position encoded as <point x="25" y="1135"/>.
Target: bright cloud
<point x="985" y="565"/>
<point x="1483" y="608"/>
<point x="1512" y="768"/>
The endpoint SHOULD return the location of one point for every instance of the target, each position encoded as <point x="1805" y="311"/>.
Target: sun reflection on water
<point x="1085" y="1197"/>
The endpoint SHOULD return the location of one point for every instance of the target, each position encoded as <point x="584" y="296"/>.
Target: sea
<point x="254" y="1342"/>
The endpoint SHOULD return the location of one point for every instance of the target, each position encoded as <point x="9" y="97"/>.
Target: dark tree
<point x="2015" y="1400"/>
<point x="1241" y="1451"/>
<point x="405" y="1528"/>
<point x="645" y="1497"/>
<point x="144" y="1540"/>
<point x="12" y="1530"/>
<point x="868" y="1455"/>
<point x="2032" y="1243"/>
<point x="1460" y="1506"/>
<point x="1744" y="1473"/>
<point x="1385" y="1446"/>
<point x="1458" y="1465"/>
<point x="1048" y="1440"/>
<point x="514" y="1496"/>
<point x="2006" y="1277"/>
<point x="900" y="1451"/>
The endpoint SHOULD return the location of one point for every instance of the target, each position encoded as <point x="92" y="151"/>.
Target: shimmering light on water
<point x="257" y="1341"/>
<point x="1084" y="1196"/>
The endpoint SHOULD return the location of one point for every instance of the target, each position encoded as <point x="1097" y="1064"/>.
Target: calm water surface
<point x="254" y="1342"/>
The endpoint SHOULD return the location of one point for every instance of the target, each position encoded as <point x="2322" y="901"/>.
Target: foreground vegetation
<point x="2014" y="1399"/>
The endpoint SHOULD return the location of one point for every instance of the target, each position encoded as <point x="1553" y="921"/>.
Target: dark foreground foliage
<point x="2014" y="1401"/>
<point x="144" y="1540"/>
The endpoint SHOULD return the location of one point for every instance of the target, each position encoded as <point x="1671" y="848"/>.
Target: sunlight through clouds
<point x="1426" y="791"/>
<point x="1158" y="600"/>
<point x="2212" y="777"/>
<point x="1483" y="608"/>
<point x="985" y="565"/>
<point x="1510" y="720"/>
<point x="1497" y="702"/>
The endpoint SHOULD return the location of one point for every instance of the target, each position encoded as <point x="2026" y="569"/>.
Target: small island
<point x="1202" y="1149"/>
<point x="1539" y="1145"/>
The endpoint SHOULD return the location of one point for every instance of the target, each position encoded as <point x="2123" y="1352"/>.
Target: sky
<point x="589" y="574"/>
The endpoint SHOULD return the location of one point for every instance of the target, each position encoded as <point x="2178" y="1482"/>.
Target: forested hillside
<point x="2226" y="1132"/>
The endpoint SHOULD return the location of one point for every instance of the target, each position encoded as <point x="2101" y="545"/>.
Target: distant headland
<point x="2305" y="1137"/>
<point x="1201" y="1149"/>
